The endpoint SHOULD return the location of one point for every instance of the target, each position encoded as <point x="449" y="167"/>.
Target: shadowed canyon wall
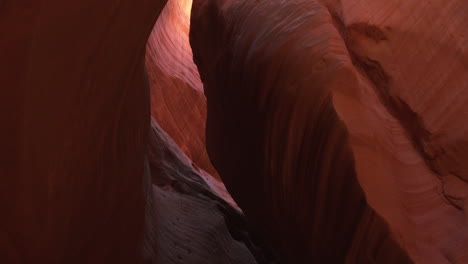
<point x="73" y="83"/>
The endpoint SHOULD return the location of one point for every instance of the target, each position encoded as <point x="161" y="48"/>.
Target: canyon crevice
<point x="221" y="131"/>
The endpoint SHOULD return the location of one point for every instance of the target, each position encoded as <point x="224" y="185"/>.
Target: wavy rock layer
<point x="315" y="96"/>
<point x="177" y="99"/>
<point x="74" y="130"/>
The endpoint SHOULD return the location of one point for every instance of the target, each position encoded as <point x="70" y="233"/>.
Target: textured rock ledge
<point x="193" y="219"/>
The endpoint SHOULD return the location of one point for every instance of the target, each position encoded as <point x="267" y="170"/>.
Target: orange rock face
<point x="405" y="62"/>
<point x="177" y="99"/>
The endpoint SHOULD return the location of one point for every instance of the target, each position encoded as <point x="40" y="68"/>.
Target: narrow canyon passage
<point x="222" y="131"/>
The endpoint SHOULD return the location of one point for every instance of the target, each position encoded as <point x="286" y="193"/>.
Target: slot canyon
<point x="234" y="131"/>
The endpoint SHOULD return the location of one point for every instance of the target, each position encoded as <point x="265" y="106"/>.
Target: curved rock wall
<point x="322" y="98"/>
<point x="288" y="162"/>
